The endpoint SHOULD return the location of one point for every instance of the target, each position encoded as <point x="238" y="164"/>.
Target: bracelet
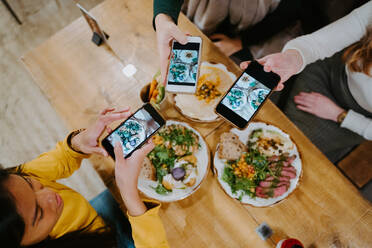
<point x="69" y="138"/>
<point x="341" y="117"/>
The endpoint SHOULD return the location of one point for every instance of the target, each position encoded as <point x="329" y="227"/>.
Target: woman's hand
<point x="87" y="141"/>
<point x="318" y="105"/>
<point x="285" y="64"/>
<point x="166" y="31"/>
<point x="226" y="44"/>
<point x="126" y="176"/>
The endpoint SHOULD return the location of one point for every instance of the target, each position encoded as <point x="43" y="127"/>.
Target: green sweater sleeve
<point x="168" y="7"/>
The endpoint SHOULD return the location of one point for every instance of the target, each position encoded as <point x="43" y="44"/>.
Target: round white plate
<point x="147" y="186"/>
<point x="199" y="110"/>
<point x="219" y="165"/>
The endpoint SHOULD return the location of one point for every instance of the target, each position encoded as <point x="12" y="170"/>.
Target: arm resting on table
<point x="359" y="124"/>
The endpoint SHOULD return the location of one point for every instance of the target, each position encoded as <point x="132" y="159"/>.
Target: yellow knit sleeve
<point x="147" y="229"/>
<point x="55" y="164"/>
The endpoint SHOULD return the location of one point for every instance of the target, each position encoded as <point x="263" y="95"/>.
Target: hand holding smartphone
<point x="247" y="95"/>
<point x="183" y="71"/>
<point x="135" y="131"/>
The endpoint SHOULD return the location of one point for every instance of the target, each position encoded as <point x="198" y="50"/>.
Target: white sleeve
<point x="334" y="37"/>
<point x="359" y="124"/>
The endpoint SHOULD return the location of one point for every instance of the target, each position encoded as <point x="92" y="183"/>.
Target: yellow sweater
<point x="78" y="214"/>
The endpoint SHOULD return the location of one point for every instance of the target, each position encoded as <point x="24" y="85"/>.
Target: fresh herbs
<point x="181" y="136"/>
<point x="161" y="190"/>
<point x="172" y="143"/>
<point x="163" y="159"/>
<point x="237" y="182"/>
<point x="256" y="133"/>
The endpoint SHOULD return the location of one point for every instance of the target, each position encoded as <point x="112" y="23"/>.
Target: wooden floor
<point x="28" y="123"/>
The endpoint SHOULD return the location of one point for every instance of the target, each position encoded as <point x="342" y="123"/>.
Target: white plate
<point x="202" y="155"/>
<point x="219" y="165"/>
<point x="198" y="110"/>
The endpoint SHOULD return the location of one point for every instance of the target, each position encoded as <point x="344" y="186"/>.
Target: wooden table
<point x="81" y="79"/>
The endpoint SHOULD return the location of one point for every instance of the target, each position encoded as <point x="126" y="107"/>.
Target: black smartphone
<point x="246" y="96"/>
<point x="134" y="131"/>
<point x="183" y="71"/>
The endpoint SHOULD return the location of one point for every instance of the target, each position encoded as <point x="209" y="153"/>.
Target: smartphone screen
<point x="184" y="66"/>
<point x="247" y="94"/>
<point x="134" y="131"/>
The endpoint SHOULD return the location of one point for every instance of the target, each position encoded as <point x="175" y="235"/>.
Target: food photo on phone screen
<point x="134" y="131"/>
<point x="184" y="64"/>
<point x="246" y="96"/>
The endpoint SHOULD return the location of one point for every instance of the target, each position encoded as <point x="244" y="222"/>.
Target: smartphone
<point x="184" y="63"/>
<point x="134" y="131"/>
<point x="247" y="95"/>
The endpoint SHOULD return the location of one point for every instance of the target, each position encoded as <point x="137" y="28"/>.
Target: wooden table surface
<point x="80" y="79"/>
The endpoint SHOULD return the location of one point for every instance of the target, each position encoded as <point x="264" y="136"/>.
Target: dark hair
<point x="12" y="225"/>
<point x="80" y="239"/>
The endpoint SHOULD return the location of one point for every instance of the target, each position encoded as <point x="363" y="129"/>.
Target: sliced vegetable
<point x="161" y="93"/>
<point x="153" y="85"/>
<point x="178" y="173"/>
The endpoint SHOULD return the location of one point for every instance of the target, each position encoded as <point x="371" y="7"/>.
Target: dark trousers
<point x="328" y="78"/>
<point x="109" y="210"/>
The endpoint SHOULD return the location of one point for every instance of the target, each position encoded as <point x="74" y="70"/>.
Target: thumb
<point x="244" y="64"/>
<point x="179" y="36"/>
<point x="263" y="60"/>
<point x="267" y="68"/>
<point x="267" y="62"/>
<point x="99" y="150"/>
<point x="279" y="87"/>
<point x="118" y="150"/>
<point x="141" y="153"/>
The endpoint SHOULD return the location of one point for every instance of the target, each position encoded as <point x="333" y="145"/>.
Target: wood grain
<point x="325" y="204"/>
<point x="80" y="80"/>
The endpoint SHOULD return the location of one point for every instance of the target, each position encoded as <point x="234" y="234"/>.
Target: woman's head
<point x="358" y="57"/>
<point x="29" y="211"/>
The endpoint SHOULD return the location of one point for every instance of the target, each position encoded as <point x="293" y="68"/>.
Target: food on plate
<point x="153" y="92"/>
<point x="230" y="146"/>
<point x="156" y="92"/>
<point x="269" y="142"/>
<point x="264" y="169"/>
<point x="200" y="106"/>
<point x="207" y="88"/>
<point x="173" y="158"/>
<point x="148" y="170"/>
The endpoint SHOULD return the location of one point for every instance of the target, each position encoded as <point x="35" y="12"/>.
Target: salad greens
<point x="164" y="156"/>
<point x="247" y="185"/>
<point x="179" y="136"/>
<point x="161" y="190"/>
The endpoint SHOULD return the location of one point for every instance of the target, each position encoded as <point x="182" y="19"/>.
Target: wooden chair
<point x="357" y="166"/>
